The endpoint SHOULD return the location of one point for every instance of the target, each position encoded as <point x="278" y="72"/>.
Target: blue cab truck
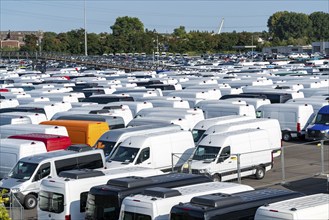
<point x="319" y="128"/>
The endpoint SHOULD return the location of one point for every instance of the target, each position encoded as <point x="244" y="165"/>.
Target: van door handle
<point x="230" y="162"/>
<point x="149" y="163"/>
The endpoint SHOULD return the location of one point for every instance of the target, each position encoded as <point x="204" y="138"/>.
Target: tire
<point x="30" y="201"/>
<point x="217" y="178"/>
<point x="260" y="173"/>
<point x="286" y="136"/>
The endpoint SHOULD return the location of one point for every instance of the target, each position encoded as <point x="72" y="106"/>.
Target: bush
<point x="4" y="215"/>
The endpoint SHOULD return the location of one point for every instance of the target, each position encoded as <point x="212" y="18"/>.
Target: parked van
<point x="25" y="178"/>
<point x="114" y="122"/>
<point x="241" y="205"/>
<point x="217" y="110"/>
<point x="60" y="198"/>
<point x="217" y="155"/>
<point x="292" y="118"/>
<point x="154" y="150"/>
<point x="104" y="201"/>
<point x="9" y="130"/>
<point x="81" y="132"/>
<point x="271" y="126"/>
<point x="47" y="108"/>
<point x="110" y="140"/>
<point x="35" y="118"/>
<point x="202" y="126"/>
<point x="318" y="129"/>
<point x="184" y="123"/>
<point x="13" y="150"/>
<point x="156" y="203"/>
<point x="274" y="96"/>
<point x="305" y="207"/>
<point x="134" y="106"/>
<point x="13" y="119"/>
<point x="51" y="141"/>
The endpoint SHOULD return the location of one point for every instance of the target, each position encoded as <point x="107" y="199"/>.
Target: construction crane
<point x="221" y="26"/>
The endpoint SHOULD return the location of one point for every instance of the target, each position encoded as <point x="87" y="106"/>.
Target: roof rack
<point x="161" y="192"/>
<point x="80" y="174"/>
<point x="129" y="182"/>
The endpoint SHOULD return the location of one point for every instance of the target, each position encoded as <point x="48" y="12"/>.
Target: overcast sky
<point x="163" y="16"/>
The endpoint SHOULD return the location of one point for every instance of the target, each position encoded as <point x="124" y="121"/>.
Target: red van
<point x="52" y="142"/>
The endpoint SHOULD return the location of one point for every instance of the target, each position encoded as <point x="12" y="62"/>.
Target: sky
<point x="163" y="16"/>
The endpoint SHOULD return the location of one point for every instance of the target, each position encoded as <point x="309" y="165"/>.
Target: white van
<point x="253" y="101"/>
<point x="14" y="149"/>
<point x="154" y="150"/>
<point x="9" y="130"/>
<point x="25" y="178"/>
<point x="13" y="119"/>
<point x="217" y="155"/>
<point x="110" y="140"/>
<point x="202" y="126"/>
<point x="155" y="203"/>
<point x="133" y="106"/>
<point x="271" y="126"/>
<point x="35" y="118"/>
<point x="170" y="103"/>
<point x="60" y="198"/>
<point x="217" y="110"/>
<point x="293" y="118"/>
<point x="8" y="103"/>
<point x="305" y="207"/>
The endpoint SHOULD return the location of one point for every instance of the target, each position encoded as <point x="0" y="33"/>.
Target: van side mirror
<point x="220" y="159"/>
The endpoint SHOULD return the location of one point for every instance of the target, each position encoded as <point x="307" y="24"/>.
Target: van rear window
<point x="51" y="202"/>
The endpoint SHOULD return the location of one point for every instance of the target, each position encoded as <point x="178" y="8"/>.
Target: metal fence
<point x="297" y="161"/>
<point x="15" y="209"/>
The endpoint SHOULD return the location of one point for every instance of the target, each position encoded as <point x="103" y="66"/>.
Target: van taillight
<point x="67" y="217"/>
<point x="298" y="127"/>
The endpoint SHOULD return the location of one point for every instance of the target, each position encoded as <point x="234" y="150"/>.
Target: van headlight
<point x="203" y="171"/>
<point x="15" y="190"/>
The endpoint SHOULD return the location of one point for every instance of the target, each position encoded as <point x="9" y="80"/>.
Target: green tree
<point x="179" y="32"/>
<point x="320" y="25"/>
<point x="50" y="42"/>
<point x="31" y="42"/>
<point x="290" y="25"/>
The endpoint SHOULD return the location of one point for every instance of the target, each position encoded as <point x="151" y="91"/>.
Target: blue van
<point x="319" y="128"/>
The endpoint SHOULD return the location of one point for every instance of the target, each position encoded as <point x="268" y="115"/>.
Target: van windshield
<point x="23" y="170"/>
<point x="125" y="154"/>
<point x="206" y="153"/>
<point x="107" y="146"/>
<point x="322" y="119"/>
<point x="197" y="134"/>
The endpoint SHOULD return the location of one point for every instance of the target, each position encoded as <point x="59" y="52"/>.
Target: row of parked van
<point x="123" y="195"/>
<point x="192" y="128"/>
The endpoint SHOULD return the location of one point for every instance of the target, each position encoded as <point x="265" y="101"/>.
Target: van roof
<point x="71" y="122"/>
<point x="44" y="156"/>
<point x="301" y="202"/>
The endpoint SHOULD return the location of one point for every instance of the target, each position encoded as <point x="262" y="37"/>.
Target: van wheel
<point x="260" y="173"/>
<point x="217" y="178"/>
<point x="286" y="136"/>
<point x="30" y="201"/>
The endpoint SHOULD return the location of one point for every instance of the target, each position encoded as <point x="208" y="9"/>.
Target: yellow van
<point x="82" y="132"/>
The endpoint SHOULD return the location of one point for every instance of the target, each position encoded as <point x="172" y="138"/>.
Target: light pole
<point x="85" y="27"/>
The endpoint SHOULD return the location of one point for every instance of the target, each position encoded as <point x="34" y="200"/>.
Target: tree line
<point x="129" y="36"/>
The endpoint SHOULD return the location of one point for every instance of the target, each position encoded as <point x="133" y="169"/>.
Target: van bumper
<point x="316" y="135"/>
